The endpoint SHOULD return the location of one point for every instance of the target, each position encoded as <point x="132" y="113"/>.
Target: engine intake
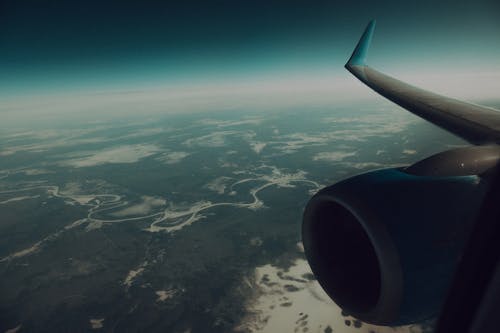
<point x="354" y="276"/>
<point x="384" y="245"/>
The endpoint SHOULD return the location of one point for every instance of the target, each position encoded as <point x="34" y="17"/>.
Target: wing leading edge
<point x="476" y="124"/>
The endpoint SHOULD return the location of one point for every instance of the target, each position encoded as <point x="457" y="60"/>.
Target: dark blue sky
<point x="72" y="45"/>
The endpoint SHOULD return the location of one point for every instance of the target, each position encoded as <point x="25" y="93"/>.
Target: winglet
<point x="358" y="57"/>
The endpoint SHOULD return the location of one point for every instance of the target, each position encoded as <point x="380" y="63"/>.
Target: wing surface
<point x="474" y="123"/>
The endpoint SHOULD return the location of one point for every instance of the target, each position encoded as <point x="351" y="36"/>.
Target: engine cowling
<point x="384" y="245"/>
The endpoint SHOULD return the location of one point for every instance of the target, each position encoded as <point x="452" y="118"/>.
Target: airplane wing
<point x="476" y="124"/>
<point x="360" y="234"/>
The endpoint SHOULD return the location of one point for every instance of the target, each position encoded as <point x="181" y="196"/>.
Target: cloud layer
<point x="119" y="154"/>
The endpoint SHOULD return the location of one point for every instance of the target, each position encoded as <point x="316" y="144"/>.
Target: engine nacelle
<point x="384" y="245"/>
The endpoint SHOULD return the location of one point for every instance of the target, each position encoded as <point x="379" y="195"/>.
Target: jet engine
<point x="384" y="245"/>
